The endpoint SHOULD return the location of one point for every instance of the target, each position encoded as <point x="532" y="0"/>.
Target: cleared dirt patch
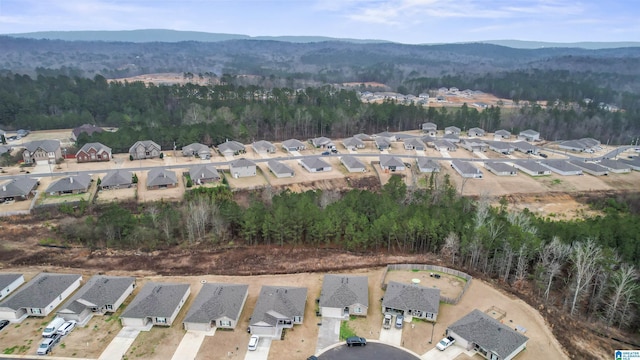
<point x="450" y="286"/>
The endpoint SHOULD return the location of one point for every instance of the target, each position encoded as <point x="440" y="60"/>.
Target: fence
<point x="436" y="268"/>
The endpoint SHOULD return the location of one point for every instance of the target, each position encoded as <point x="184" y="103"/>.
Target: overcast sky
<point x="405" y="21"/>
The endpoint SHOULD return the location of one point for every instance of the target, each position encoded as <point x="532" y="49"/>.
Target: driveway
<point x="120" y="344"/>
<point x="262" y="352"/>
<point x="391" y="336"/>
<point x="448" y="354"/>
<point x="190" y="344"/>
<point x="328" y="334"/>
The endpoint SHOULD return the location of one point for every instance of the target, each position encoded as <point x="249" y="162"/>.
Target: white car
<point x="253" y="342"/>
<point x="66" y="328"/>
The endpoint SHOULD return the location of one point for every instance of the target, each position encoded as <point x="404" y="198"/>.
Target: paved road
<point x="373" y="351"/>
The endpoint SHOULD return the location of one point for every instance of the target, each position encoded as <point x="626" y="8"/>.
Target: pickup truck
<point x="386" y="322"/>
<point x="445" y="343"/>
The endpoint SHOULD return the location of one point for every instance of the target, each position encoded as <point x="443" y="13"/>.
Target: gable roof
<point x="340" y="291"/>
<point x="444" y="143"/>
<point x="614" y="164"/>
<point x="117" y="177"/>
<point x="353" y="141"/>
<point x="453" y="129"/>
<point x="483" y="330"/>
<point x="156" y="299"/>
<point x="147" y="144"/>
<point x="529" y="132"/>
<point x="410" y="296"/>
<point x="95" y="145"/>
<point x="231" y="145"/>
<point x="477" y="130"/>
<point x="263" y="145"/>
<point x="561" y="165"/>
<point x="40" y="291"/>
<point x="89" y="129"/>
<point x="46" y="145"/>
<point x="70" y="183"/>
<point x="276" y="302"/>
<point x="502" y="133"/>
<point x="196" y="148"/>
<point x="314" y="163"/>
<point x="292" y="143"/>
<point x="382" y="141"/>
<point x="99" y="291"/>
<point x="15" y="187"/>
<point x="160" y="176"/>
<point x="389" y="160"/>
<point x="320" y="141"/>
<point x="8" y="279"/>
<point x="363" y="137"/>
<point x="426" y="163"/>
<point x="203" y="171"/>
<point x="215" y="301"/>
<point x="429" y="126"/>
<point x="242" y="162"/>
<point x="352" y="162"/>
<point x="499" y="166"/>
<point x="279" y="167"/>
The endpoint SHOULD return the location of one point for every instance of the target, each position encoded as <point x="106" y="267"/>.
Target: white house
<point x="344" y="295"/>
<point x="353" y="164"/>
<point x="216" y="306"/>
<point x="466" y="169"/>
<point x="529" y="135"/>
<point x="157" y="303"/>
<point x="8" y="283"/>
<point x="242" y="168"/>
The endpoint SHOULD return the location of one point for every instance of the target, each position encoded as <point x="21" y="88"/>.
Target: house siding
<point x="243" y="171"/>
<point x="93" y="156"/>
<point x="11" y="287"/>
<point x="177" y="310"/>
<point x="116" y="305"/>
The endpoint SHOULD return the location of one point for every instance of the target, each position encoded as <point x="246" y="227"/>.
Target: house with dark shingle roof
<point x="39" y="297"/>
<point x="322" y="142"/>
<point x="280" y="169"/>
<point x="196" y="149"/>
<point x="344" y="295"/>
<point x="353" y="164"/>
<point x="145" y="149"/>
<point x="532" y="168"/>
<point x="74" y="184"/>
<point x="42" y="152"/>
<point x="525" y="147"/>
<point x="117" y="179"/>
<point x="414" y="144"/>
<point x="562" y="167"/>
<point x="411" y="300"/>
<point x="231" y="148"/>
<point x="8" y="283"/>
<point x="100" y="295"/>
<point x="475" y="132"/>
<point x="430" y="128"/>
<point x="453" y="130"/>
<point x="216" y="306"/>
<point x="88" y="129"/>
<point x="293" y="145"/>
<point x="263" y="147"/>
<point x="391" y="163"/>
<point x="204" y="173"/>
<point x="615" y="166"/>
<point x="426" y="165"/>
<point x="500" y="168"/>
<point x="501" y="135"/>
<point x="242" y="168"/>
<point x="18" y="189"/>
<point x="466" y="169"/>
<point x="480" y="332"/>
<point x="444" y="145"/>
<point x="529" y="135"/>
<point x="382" y="143"/>
<point x="159" y="178"/>
<point x="277" y="308"/>
<point x="353" y="143"/>
<point x="157" y="303"/>
<point x="315" y="164"/>
<point x="93" y="152"/>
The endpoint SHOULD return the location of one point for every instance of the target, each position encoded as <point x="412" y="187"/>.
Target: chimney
<point x="71" y="179"/>
<point x="4" y="187"/>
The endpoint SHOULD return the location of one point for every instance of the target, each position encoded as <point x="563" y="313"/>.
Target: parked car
<point x="399" y="320"/>
<point x="356" y="341"/>
<point x="326" y="153"/>
<point x="66" y="328"/>
<point x="253" y="342"/>
<point x="445" y="343"/>
<point x="4" y="324"/>
<point x="47" y="345"/>
<point x="386" y="321"/>
<point x="53" y="326"/>
<point x="312" y="357"/>
<point x="335" y="151"/>
<point x="543" y="155"/>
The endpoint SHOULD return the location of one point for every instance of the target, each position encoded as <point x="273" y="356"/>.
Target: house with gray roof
<point x="501" y="135"/>
<point x="466" y="169"/>
<point x="532" y="168"/>
<point x="387" y="135"/>
<point x="475" y="132"/>
<point x="100" y="295"/>
<point x="263" y="147"/>
<point x="160" y="178"/>
<point x="344" y="295"/>
<point x="157" y="303"/>
<point x="480" y="332"/>
<point x="615" y="166"/>
<point x="562" y="167"/>
<point x="525" y="147"/>
<point x="404" y="136"/>
<point x="117" y="179"/>
<point x="323" y="142"/>
<point x="231" y="148"/>
<point x="242" y="168"/>
<point x="144" y="149"/>
<point x="427" y="139"/>
<point x="590" y="167"/>
<point x="363" y="137"/>
<point x="315" y="164"/>
<point x="411" y="300"/>
<point x="454" y="138"/>
<point x="42" y="152"/>
<point x="293" y="145"/>
<point x="426" y="165"/>
<point x="453" y="130"/>
<point x="198" y="150"/>
<point x="414" y="144"/>
<point x="581" y="145"/>
<point x="430" y="128"/>
<point x="353" y="143"/>
<point x="280" y="169"/>
<point x="501" y="169"/>
<point x="633" y="163"/>
<point x="444" y="145"/>
<point x="39" y="297"/>
<point x="73" y="184"/>
<point x="502" y="147"/>
<point x="391" y="163"/>
<point x="216" y="306"/>
<point x="93" y="152"/>
<point x="474" y="145"/>
<point x="8" y="283"/>
<point x="88" y="129"/>
<point x="277" y="308"/>
<point x="18" y="189"/>
<point x="353" y="164"/>
<point x="529" y="135"/>
<point x="203" y="174"/>
<point x="382" y="143"/>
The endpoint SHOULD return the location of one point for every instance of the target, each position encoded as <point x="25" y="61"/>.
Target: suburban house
<point x="427" y="165"/>
<point x="633" y="163"/>
<point x="387" y="135"/>
<point x="42" y="152"/>
<point x="144" y="149"/>
<point x="323" y="142"/>
<point x="430" y="128"/>
<point x="414" y="144"/>
<point x="293" y="145"/>
<point x="100" y="295"/>
<point x="8" y="283"/>
<point x="591" y="167"/>
<point x="475" y="132"/>
<point x="615" y="166"/>
<point x="157" y="303"/>
<point x="411" y="300"/>
<point x="204" y="173"/>
<point x="74" y="184"/>
<point x="18" y="189"/>
<point x="277" y="308"/>
<point x="451" y="138"/>
<point x="454" y="130"/>
<point x="428" y="140"/>
<point x="532" y="168"/>
<point x="391" y="163"/>
<point x="525" y="147"/>
<point x="474" y="145"/>
<point x="344" y="295"/>
<point x="159" y="178"/>
<point x="353" y="164"/>
<point x="231" y="148"/>
<point x="501" y="169"/>
<point x="466" y="169"/>
<point x="529" y="135"/>
<point x="501" y="135"/>
<point x="263" y="147"/>
<point x="198" y="150"/>
<point x="315" y="164"/>
<point x="480" y="332"/>
<point x="242" y="168"/>
<point x="5" y="149"/>
<point x="280" y="169"/>
<point x="403" y="136"/>
<point x="93" y="152"/>
<point x="363" y="137"/>
<point x="444" y="145"/>
<point x="562" y="167"/>
<point x="501" y="147"/>
<point x="116" y="179"/>
<point x="582" y="145"/>
<point x="216" y="306"/>
<point x="353" y="143"/>
<point x="87" y="129"/>
<point x="39" y="297"/>
<point x="382" y="143"/>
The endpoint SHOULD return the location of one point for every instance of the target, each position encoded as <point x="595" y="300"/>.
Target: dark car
<point x="543" y="155"/>
<point x="335" y="151"/>
<point x="326" y="153"/>
<point x="3" y="324"/>
<point x="312" y="357"/>
<point x="356" y="341"/>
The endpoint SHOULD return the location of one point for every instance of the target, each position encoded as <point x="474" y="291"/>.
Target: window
<point x="357" y="310"/>
<point x="161" y="320"/>
<point x="36" y="311"/>
<point x="225" y="323"/>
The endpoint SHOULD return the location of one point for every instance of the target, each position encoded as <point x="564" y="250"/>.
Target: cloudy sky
<point x="405" y="21"/>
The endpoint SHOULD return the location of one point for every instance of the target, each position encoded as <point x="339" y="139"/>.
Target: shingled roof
<point x="118" y="177"/>
<point x="15" y="187"/>
<point x="276" y="302"/>
<point x="99" y="291"/>
<point x="156" y="300"/>
<point x="414" y="297"/>
<point x="217" y="300"/>
<point x="46" y="145"/>
<point x="40" y="291"/>
<point x="70" y="183"/>
<point x="339" y="291"/>
<point x="159" y="177"/>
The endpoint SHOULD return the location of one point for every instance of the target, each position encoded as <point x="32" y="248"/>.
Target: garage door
<point x="42" y="162"/>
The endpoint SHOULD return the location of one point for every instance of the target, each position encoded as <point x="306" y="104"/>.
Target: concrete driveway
<point x="448" y="354"/>
<point x="190" y="344"/>
<point x="120" y="344"/>
<point x="328" y="334"/>
<point x="391" y="336"/>
<point x="262" y="352"/>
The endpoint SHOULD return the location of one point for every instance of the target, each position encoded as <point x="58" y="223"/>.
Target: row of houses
<point x="431" y="129"/>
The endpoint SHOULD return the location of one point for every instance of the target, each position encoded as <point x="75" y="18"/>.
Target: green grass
<point x="345" y="330"/>
<point x="110" y="318"/>
<point x="10" y="350"/>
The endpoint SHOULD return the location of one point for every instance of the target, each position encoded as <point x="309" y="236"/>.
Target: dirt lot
<point x="450" y="286"/>
<point x="167" y="79"/>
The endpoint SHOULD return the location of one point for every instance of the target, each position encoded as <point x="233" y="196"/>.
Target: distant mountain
<point x="519" y="44"/>
<point x="171" y="36"/>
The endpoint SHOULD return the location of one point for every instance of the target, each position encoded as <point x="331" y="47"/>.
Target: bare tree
<point x="623" y="285"/>
<point x="586" y="257"/>
<point x="451" y="247"/>
<point x="552" y="259"/>
<point x="197" y="218"/>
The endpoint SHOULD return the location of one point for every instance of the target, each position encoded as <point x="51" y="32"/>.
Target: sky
<point x="403" y="21"/>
